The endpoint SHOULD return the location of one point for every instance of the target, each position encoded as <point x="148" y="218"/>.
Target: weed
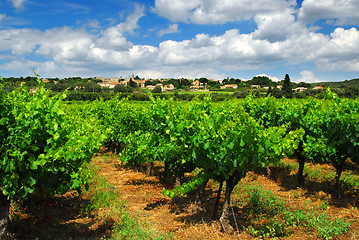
<point x="273" y="219"/>
<point x="324" y="205"/>
<point x="314" y="173"/>
<point x="327" y="229"/>
<point x="315" y="222"/>
<point x="350" y="179"/>
<point x="263" y="201"/>
<point x="296" y="194"/>
<point x="273" y="229"/>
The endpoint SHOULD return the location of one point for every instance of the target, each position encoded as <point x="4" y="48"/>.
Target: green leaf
<point x="33" y="165"/>
<point x="242" y="143"/>
<point x="194" y="154"/>
<point x="4" y="121"/>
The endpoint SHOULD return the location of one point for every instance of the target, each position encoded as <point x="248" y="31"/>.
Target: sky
<point x="311" y="40"/>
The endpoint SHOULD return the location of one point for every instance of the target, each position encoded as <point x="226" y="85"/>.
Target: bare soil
<point x="62" y="218"/>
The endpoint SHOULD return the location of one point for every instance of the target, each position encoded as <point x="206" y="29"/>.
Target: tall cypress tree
<point x="287" y="87"/>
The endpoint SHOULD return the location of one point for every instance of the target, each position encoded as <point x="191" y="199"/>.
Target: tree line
<point x="89" y="89"/>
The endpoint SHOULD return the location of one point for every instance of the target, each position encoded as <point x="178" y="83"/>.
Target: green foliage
<point x="273" y="229"/>
<point x="287" y="87"/>
<point x="157" y="89"/>
<point x="42" y="148"/>
<point x="262" y="81"/>
<point x="120" y="88"/>
<point x="273" y="219"/>
<point x="316" y="222"/>
<point x="264" y="202"/>
<point x="328" y="126"/>
<point x="184" y="188"/>
<point x="132" y="84"/>
<point x="225" y="141"/>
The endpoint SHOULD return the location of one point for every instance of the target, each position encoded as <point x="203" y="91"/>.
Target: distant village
<point x="196" y="85"/>
<point x="260" y="85"/>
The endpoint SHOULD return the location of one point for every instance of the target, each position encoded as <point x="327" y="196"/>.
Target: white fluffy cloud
<point x="340" y="51"/>
<point x="340" y="11"/>
<point x="75" y="51"/>
<point x="278" y="26"/>
<point x="19" y="41"/>
<point x="216" y="12"/>
<point x="279" y="38"/>
<point x="308" y="76"/>
<point x="114" y="37"/>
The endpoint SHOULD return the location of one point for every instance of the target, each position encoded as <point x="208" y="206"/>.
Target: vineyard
<point x="192" y="151"/>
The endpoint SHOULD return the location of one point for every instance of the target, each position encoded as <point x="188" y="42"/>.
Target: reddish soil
<point x="61" y="217"/>
<point x="58" y="218"/>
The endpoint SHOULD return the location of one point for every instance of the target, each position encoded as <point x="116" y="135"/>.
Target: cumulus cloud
<point x="18" y="4"/>
<point x="216" y="12"/>
<point x="308" y="76"/>
<point x="114" y="37"/>
<point x="340" y="51"/>
<point x="230" y="51"/>
<point x="74" y="51"/>
<point x="68" y="51"/>
<point x="278" y="26"/>
<point x="172" y="28"/>
<point x="340" y="11"/>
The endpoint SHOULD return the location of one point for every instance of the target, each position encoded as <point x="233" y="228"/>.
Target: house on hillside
<point x="318" y="88"/>
<point x="140" y="82"/>
<point x="299" y="89"/>
<point x="108" y="80"/>
<point x="110" y="85"/>
<point x="125" y="82"/>
<point x="33" y="90"/>
<point x="196" y="87"/>
<point x="256" y="86"/>
<point x="169" y="87"/>
<point x="151" y="87"/>
<point x="234" y="86"/>
<point x="196" y="83"/>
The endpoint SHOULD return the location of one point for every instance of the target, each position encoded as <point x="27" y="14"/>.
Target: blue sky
<point x="311" y="40"/>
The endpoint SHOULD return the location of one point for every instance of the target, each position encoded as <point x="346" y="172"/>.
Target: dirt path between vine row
<point x="144" y="198"/>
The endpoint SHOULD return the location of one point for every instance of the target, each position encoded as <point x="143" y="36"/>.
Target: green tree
<point x="92" y="87"/>
<point x="132" y="84"/>
<point x="203" y="80"/>
<point x="287" y="87"/>
<point x="120" y="88"/>
<point x="261" y="80"/>
<point x="157" y="89"/>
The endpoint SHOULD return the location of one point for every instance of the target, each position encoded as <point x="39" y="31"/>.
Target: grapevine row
<point x="223" y="141"/>
<point x="42" y="149"/>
